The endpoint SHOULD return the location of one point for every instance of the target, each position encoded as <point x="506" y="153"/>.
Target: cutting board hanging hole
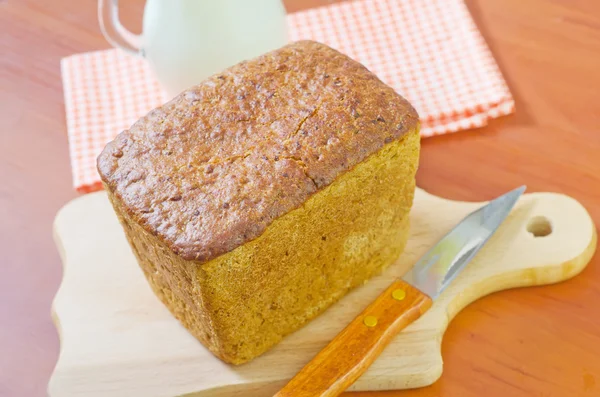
<point x="539" y="226"/>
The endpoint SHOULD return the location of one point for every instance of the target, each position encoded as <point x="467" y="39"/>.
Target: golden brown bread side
<point x="257" y="198"/>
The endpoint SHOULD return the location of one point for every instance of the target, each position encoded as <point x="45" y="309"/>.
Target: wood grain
<point x="353" y="350"/>
<point x="549" y="53"/>
<point x="117" y="339"/>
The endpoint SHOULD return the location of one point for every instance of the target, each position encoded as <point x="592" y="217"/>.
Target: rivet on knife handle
<point x="347" y="356"/>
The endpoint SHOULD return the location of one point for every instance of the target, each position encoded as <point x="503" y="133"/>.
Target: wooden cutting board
<point x="118" y="340"/>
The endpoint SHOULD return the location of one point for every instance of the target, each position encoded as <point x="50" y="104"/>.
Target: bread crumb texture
<point x="256" y="199"/>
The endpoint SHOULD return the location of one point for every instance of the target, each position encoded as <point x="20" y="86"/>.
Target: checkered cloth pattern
<point x="429" y="51"/>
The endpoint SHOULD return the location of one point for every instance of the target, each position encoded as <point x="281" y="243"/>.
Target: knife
<point x="354" y="349"/>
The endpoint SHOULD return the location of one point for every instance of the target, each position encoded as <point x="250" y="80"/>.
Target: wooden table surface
<point x="542" y="341"/>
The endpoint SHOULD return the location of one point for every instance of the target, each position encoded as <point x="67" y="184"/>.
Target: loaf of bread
<point x="256" y="199"/>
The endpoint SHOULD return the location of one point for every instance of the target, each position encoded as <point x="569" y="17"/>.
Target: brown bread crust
<point x="211" y="169"/>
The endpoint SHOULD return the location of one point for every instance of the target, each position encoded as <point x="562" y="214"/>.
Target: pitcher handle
<point x="113" y="31"/>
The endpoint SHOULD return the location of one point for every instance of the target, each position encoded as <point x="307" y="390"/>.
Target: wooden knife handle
<point x="353" y="350"/>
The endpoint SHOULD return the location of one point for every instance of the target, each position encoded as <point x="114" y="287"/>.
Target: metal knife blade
<point x="444" y="261"/>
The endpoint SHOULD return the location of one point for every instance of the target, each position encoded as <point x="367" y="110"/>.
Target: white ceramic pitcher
<point x="186" y="41"/>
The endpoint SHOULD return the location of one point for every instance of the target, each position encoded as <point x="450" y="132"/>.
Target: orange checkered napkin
<point x="429" y="51"/>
